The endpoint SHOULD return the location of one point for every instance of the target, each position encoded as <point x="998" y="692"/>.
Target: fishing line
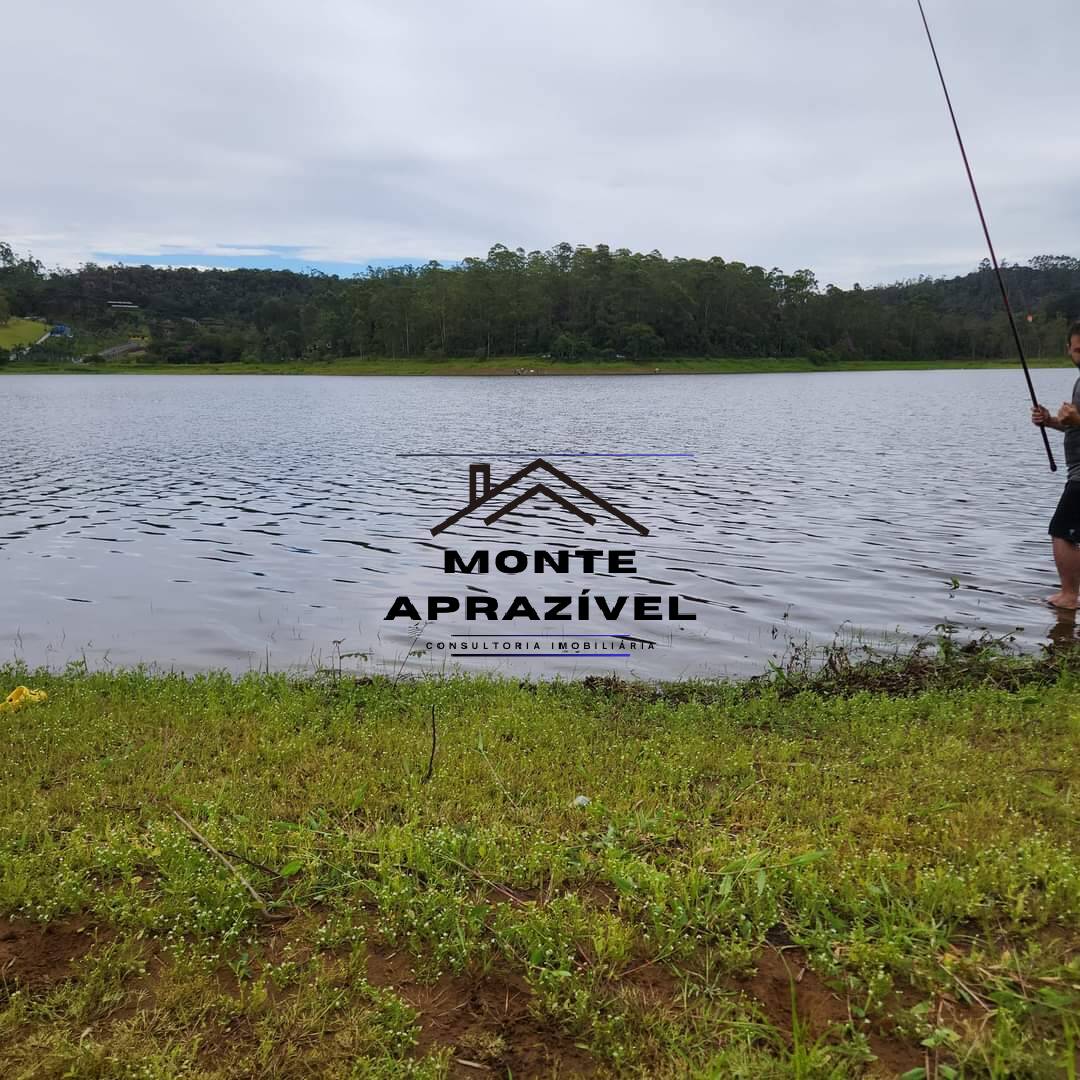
<point x="986" y="233"/>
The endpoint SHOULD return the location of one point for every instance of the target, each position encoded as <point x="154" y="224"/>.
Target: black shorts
<point x="1066" y="520"/>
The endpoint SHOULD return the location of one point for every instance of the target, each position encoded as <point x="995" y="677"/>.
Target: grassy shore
<point x="854" y="873"/>
<point x="20" y="332"/>
<point x="516" y="366"/>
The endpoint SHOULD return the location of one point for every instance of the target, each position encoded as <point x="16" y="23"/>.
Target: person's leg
<point x="1065" y="531"/>
<point x="1067" y="558"/>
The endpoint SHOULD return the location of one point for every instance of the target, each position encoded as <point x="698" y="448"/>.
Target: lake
<point x="240" y="522"/>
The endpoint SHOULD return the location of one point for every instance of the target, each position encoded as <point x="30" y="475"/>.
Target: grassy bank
<point x="518" y="366"/>
<point x="808" y="877"/>
<point x="17" y="332"/>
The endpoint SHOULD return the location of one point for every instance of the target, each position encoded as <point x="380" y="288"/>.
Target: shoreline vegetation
<point x="846" y="868"/>
<point x="508" y="366"/>
<point x="596" y="309"/>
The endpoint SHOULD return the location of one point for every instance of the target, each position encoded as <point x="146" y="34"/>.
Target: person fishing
<point x="1065" y="524"/>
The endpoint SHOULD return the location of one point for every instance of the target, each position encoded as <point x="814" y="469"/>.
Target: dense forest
<point x="573" y="303"/>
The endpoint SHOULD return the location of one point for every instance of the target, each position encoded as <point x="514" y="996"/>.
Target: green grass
<point x="20" y="332"/>
<point x="517" y="365"/>
<point x="799" y="877"/>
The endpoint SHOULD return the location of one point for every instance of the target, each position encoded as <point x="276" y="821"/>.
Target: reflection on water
<point x="1064" y="634"/>
<point x="204" y="522"/>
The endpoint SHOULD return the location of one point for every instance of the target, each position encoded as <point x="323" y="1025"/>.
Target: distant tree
<point x="21" y="279"/>
<point x="642" y="340"/>
<point x="564" y="347"/>
<point x="5" y="309"/>
<point x="569" y="301"/>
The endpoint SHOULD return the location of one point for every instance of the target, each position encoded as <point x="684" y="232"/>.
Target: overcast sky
<point x="333" y="133"/>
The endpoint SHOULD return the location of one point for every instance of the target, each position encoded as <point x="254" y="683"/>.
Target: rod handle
<point x="1049" y="452"/>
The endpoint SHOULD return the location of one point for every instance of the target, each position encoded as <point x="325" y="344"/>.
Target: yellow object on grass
<point x="21" y="696"/>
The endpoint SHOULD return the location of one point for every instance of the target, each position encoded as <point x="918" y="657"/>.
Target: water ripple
<point x="812" y="505"/>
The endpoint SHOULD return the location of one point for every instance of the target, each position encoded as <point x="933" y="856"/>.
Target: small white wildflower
<point x="581" y="800"/>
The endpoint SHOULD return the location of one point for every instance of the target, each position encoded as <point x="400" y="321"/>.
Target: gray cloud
<point x="780" y="133"/>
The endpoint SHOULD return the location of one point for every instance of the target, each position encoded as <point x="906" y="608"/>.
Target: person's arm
<point x="1041" y="415"/>
<point x="1067" y="416"/>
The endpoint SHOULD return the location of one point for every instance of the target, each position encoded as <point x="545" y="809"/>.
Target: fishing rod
<point x="989" y="243"/>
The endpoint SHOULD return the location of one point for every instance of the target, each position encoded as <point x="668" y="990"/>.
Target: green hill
<point x="20" y="332"/>
<point x="571" y="304"/>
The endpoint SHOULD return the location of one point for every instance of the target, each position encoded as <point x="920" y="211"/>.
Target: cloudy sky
<point x="337" y="133"/>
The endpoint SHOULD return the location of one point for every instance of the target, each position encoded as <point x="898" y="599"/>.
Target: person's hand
<point x="1068" y="415"/>
<point x="1040" y="414"/>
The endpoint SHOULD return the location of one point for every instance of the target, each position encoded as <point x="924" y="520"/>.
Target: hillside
<point x="16" y="332"/>
<point x="569" y="303"/>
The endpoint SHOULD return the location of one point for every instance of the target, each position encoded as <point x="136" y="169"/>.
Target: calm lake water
<point x="200" y="522"/>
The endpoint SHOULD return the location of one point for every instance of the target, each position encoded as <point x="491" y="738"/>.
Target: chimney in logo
<point x="479" y="482"/>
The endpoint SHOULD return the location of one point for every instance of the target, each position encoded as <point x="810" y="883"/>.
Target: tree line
<point x="572" y="303"/>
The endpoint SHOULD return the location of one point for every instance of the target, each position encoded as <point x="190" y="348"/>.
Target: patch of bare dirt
<point x="142" y="990"/>
<point x="40" y="954"/>
<point x="485" y="1021"/>
<point x="598" y="895"/>
<point x="504" y="894"/>
<point x="818" y="1007"/>
<point x="595" y="894"/>
<point x="1057" y="941"/>
<point x="779" y="936"/>
<point x="650" y="985"/>
<point x="277" y="942"/>
<point x="291" y="939"/>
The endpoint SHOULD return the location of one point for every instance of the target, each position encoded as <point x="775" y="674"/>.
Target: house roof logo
<point x="487" y="499"/>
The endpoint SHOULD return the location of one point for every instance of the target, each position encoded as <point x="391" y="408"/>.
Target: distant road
<point x="119" y="350"/>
